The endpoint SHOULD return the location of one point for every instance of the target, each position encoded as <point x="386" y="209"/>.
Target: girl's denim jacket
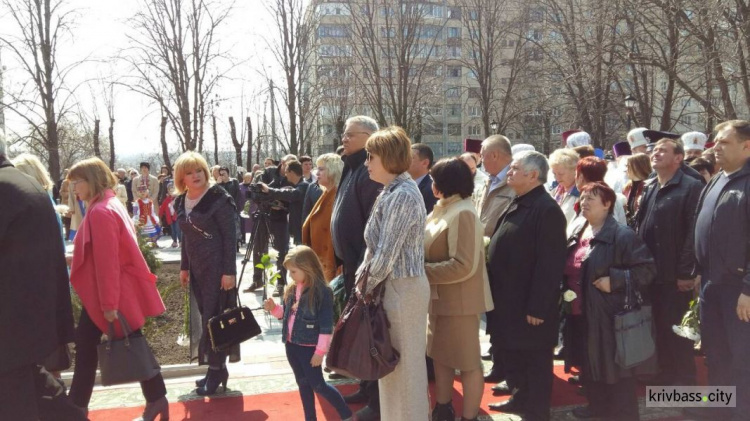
<point x="308" y="323"/>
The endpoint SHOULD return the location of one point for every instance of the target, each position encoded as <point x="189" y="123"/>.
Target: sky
<point x="100" y="30"/>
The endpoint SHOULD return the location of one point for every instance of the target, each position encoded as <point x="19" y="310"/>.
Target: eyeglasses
<point x="349" y="135"/>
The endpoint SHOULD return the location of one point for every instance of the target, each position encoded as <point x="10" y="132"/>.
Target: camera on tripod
<point x="264" y="200"/>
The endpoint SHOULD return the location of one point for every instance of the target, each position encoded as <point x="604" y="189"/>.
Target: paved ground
<point x="264" y="368"/>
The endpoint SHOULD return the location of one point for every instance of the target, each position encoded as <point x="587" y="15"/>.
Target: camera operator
<point x="293" y="195"/>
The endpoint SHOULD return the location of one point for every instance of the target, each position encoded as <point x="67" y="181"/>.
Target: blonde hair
<point x="96" y="173"/>
<point x="568" y="158"/>
<point x="189" y="161"/>
<point x="31" y="165"/>
<point x="393" y="147"/>
<point x="333" y="165"/>
<point x="639" y="167"/>
<point x="305" y="259"/>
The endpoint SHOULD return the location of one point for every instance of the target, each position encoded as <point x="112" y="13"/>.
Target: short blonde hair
<point x="189" y="161"/>
<point x="333" y="164"/>
<point x="568" y="158"/>
<point x="393" y="147"/>
<point x="96" y="173"/>
<point x="31" y="165"/>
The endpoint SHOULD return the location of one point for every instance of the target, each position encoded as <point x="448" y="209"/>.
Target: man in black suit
<point x="526" y="260"/>
<point x="293" y="196"/>
<point x="422" y="159"/>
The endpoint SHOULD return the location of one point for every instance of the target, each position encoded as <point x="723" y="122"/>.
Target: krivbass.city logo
<point x="691" y="396"/>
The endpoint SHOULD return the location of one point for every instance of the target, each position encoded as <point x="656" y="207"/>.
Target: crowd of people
<point x="546" y="249"/>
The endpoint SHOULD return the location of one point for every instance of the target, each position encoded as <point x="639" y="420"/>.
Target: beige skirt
<point x="453" y="341"/>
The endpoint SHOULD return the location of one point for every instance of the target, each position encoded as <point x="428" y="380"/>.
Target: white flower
<point x="486" y="241"/>
<point x="273" y="254"/>
<point x="686" y="332"/>
<point x="569" y="296"/>
<point x="183" y="340"/>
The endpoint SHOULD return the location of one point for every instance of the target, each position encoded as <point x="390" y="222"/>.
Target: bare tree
<point x="235" y="142"/>
<point x="175" y="55"/>
<point x="41" y="99"/>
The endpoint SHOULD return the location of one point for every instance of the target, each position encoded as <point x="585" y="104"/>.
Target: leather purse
<point x="126" y="360"/>
<point x="361" y="346"/>
<point x="232" y="326"/>
<point x="633" y="329"/>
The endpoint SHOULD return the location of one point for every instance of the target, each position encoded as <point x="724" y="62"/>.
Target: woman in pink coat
<point x="110" y="275"/>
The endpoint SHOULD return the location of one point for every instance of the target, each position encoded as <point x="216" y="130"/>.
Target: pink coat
<point x="108" y="270"/>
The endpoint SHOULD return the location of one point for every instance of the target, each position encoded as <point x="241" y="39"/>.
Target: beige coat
<point x="455" y="260"/>
<point x="493" y="203"/>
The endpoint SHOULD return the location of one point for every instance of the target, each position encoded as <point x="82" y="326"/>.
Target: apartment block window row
<point x="333" y="9"/>
<point x="454" y="129"/>
<point x="333" y="31"/>
<point x="335" y="50"/>
<point x="453" y="92"/>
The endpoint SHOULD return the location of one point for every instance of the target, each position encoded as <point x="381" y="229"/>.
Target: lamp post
<point x="629" y="105"/>
<point x="494" y="126"/>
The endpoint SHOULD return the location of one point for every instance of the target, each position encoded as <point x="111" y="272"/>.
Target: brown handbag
<point x="361" y="345"/>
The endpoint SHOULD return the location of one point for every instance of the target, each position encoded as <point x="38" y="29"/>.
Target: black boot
<point x="214" y="378"/>
<point x="443" y="412"/>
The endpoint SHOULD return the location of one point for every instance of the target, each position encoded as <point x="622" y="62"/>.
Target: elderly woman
<point x="592" y="169"/>
<point x="206" y="215"/>
<point x="605" y="255"/>
<point x="110" y="275"/>
<point x="459" y="288"/>
<point x="639" y="168"/>
<point x="316" y="231"/>
<point x="394" y="236"/>
<point x="563" y="164"/>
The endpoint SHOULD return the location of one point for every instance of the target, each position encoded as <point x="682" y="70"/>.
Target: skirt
<point x="453" y="341"/>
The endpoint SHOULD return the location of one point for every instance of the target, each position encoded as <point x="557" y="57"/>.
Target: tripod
<point x="261" y="220"/>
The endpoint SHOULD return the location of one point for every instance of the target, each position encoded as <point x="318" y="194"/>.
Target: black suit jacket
<point x="425" y="187"/>
<point x="527" y="256"/>
<point x="36" y="314"/>
<point x="295" y="197"/>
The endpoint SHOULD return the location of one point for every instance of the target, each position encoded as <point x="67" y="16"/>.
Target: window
<point x="687" y="120"/>
<point x="454" y="71"/>
<point x="474" y="111"/>
<point x="556" y="129"/>
<point x="334" y="50"/>
<point x="432" y="128"/>
<point x="473" y="74"/>
<point x="454" y="51"/>
<point x="454" y="129"/>
<point x="333" y="9"/>
<point x="474" y="93"/>
<point x="475" y="130"/>
<point x="387" y="11"/>
<point x="386" y="32"/>
<point x="333" y="31"/>
<point x="454" y="110"/>
<point x="473" y="15"/>
<point x="454" y="33"/>
<point x="533" y="35"/>
<point x="536" y="15"/>
<point x="453" y="92"/>
<point x="430" y="31"/>
<point x="454" y="13"/>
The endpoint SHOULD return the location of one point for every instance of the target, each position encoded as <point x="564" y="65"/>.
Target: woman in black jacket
<point x="614" y="254"/>
<point x="206" y="214"/>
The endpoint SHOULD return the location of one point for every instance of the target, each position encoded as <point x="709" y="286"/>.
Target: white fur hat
<point x="636" y="137"/>
<point x="521" y="147"/>
<point x="694" y="141"/>
<point x="578" y="139"/>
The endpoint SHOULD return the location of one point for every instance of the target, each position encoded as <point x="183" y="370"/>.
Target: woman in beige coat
<point x="459" y="288"/>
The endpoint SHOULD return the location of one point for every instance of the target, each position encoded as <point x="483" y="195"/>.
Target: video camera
<point x="265" y="202"/>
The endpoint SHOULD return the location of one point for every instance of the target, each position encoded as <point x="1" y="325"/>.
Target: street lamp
<point x="629" y="105"/>
<point x="494" y="126"/>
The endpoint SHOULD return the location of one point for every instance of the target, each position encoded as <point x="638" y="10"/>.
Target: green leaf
<point x="260" y="266"/>
<point x="266" y="259"/>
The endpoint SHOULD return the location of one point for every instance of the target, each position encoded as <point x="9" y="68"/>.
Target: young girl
<point x="307" y="327"/>
<point x="145" y="218"/>
<point x="169" y="216"/>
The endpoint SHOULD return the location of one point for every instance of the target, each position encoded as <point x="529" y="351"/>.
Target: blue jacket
<point x="309" y="323"/>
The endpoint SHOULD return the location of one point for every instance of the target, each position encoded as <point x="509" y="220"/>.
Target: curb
<point x="168" y="372"/>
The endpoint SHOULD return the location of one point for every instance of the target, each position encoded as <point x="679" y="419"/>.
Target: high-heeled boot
<point x="443" y="412"/>
<point x="214" y="378"/>
<point x="158" y="407"/>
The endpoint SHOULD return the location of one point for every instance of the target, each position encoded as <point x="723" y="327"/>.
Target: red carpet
<point x="287" y="406"/>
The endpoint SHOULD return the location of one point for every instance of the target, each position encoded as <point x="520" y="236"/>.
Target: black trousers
<point x="616" y="401"/>
<point x="675" y="353"/>
<point x="31" y="393"/>
<point x="87" y="337"/>
<point x="278" y="234"/>
<point x="529" y="372"/>
<point x="371" y="389"/>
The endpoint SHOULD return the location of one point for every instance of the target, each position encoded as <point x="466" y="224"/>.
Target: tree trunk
<point x="249" y="165"/>
<point x="236" y="143"/>
<point x="97" y="149"/>
<point x="112" y="143"/>
<point x="216" y="139"/>
<point x="163" y="139"/>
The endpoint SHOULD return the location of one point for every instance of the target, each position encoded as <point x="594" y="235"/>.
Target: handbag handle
<point x="633" y="298"/>
<point x="125" y="330"/>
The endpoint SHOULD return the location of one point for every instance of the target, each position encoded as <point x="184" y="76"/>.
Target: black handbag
<point x="233" y="326"/>
<point x="126" y="360"/>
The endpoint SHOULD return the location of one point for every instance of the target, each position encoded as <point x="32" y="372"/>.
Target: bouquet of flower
<point x="690" y="326"/>
<point x="568" y="297"/>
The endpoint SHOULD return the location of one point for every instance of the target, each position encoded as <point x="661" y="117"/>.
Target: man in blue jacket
<point x="722" y="248"/>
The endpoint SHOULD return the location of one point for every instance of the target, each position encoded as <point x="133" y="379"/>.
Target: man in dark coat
<point x="293" y="195"/>
<point x="722" y="230"/>
<point x="35" y="311"/>
<point x="526" y="259"/>
<point x="354" y="200"/>
<point x="422" y="159"/>
<point x="665" y="223"/>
